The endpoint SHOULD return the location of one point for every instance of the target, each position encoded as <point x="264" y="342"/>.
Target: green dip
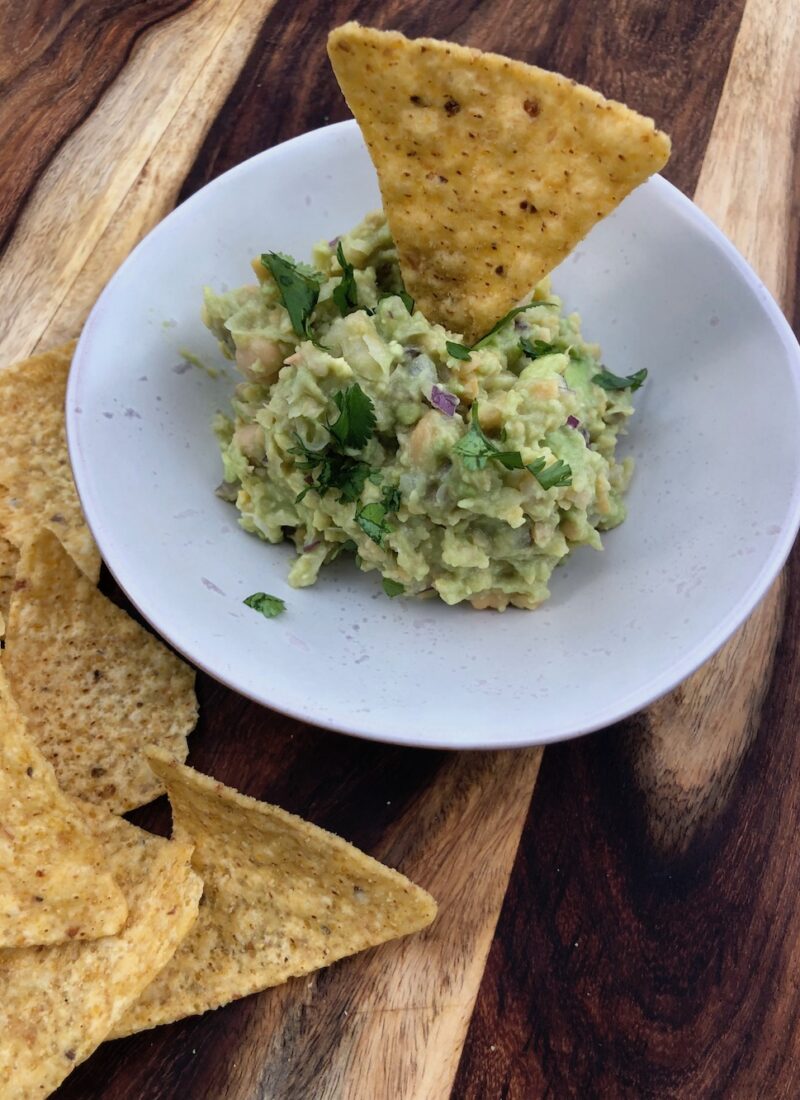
<point x="433" y="501"/>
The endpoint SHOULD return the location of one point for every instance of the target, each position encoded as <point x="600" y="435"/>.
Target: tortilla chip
<point x="35" y="473"/>
<point x="54" y="885"/>
<point x="59" y="1003"/>
<point x="94" y="687"/>
<point x="491" y="170"/>
<point x="281" y="898"/>
<point x="9" y="556"/>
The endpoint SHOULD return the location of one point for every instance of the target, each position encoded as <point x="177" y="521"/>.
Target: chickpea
<point x="250" y="441"/>
<point x="259" y="359"/>
<point x="422" y="439"/>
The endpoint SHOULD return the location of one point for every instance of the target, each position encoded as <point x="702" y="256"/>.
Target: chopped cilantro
<point x="511" y="313"/>
<point x="298" y="287"/>
<point x="333" y="469"/>
<point x="458" y="351"/>
<point x="407" y="300"/>
<point x="555" y="476"/>
<point x="535" y="349"/>
<point x="372" y="521"/>
<point x="345" y="295"/>
<point x="391" y="498"/>
<point x="269" y="606"/>
<point x="475" y="449"/>
<point x="609" y="381"/>
<point x="356" y="420"/>
<point x="392" y="588"/>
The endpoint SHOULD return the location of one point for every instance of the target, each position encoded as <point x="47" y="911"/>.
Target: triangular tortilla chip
<point x="281" y="898"/>
<point x="54" y="884"/>
<point x="36" y="485"/>
<point x="491" y="170"/>
<point x="95" y="687"/>
<point x="59" y="1003"/>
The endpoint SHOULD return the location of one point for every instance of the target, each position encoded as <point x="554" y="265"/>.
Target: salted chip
<point x="54" y="882"/>
<point x="36" y="485"/>
<point x="491" y="170"/>
<point x="59" y="1003"/>
<point x="9" y="556"/>
<point x="95" y="687"/>
<point x="282" y="898"/>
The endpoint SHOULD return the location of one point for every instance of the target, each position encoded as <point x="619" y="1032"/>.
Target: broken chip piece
<point x="491" y="170"/>
<point x="93" y="685"/>
<point x="54" y="882"/>
<point x="282" y="898"/>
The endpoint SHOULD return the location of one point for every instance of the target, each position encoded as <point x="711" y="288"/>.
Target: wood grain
<point x="675" y="986"/>
<point x="148" y="125"/>
<point x="56" y="53"/>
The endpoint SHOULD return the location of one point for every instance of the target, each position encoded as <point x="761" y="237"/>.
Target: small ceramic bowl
<point x="713" y="508"/>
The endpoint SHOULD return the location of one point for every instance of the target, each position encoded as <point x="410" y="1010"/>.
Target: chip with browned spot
<point x="491" y="170"/>
<point x="282" y="897"/>
<point x="54" y="882"/>
<point x="36" y="485"/>
<point x="95" y="687"/>
<point x="59" y="1003"/>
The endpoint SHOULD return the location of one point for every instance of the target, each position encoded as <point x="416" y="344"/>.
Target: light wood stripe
<point x="748" y="182"/>
<point x="120" y="171"/>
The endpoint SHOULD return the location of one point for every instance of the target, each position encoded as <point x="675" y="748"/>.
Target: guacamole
<point x="362" y="428"/>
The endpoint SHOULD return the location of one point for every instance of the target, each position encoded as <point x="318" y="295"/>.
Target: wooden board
<point x="647" y="935"/>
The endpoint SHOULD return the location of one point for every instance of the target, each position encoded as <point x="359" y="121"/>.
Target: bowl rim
<point x="643" y="696"/>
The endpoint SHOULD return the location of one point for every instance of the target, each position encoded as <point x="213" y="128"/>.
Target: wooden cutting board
<point x="634" y="932"/>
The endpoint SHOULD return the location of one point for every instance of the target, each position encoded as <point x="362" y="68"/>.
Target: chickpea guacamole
<point x="362" y="428"/>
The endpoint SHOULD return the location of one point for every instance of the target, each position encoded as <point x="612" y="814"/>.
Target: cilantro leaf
<point x="458" y="351"/>
<point x="476" y="449"/>
<point x="269" y="606"/>
<point x="299" y="290"/>
<point x="391" y="498"/>
<point x="407" y="300"/>
<point x="345" y="295"/>
<point x="392" y="588"/>
<point x="609" y="381"/>
<point x="372" y="521"/>
<point x="356" y="420"/>
<point x="535" y="349"/>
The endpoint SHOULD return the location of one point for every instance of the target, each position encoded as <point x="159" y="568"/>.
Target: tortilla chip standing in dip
<point x="491" y="170"/>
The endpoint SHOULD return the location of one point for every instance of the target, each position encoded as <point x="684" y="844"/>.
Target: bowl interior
<point x="713" y="506"/>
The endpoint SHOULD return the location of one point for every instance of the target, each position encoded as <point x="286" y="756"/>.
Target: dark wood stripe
<point x="56" y="61"/>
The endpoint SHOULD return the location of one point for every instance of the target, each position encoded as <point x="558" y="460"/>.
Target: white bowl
<point x="713" y="509"/>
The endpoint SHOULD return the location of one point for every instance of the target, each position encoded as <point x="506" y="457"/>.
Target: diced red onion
<point x="310" y="546"/>
<point x="333" y="243"/>
<point x="573" y="422"/>
<point x="445" y="402"/>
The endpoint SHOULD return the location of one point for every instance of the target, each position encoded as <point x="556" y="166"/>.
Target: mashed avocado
<point x="361" y="427"/>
